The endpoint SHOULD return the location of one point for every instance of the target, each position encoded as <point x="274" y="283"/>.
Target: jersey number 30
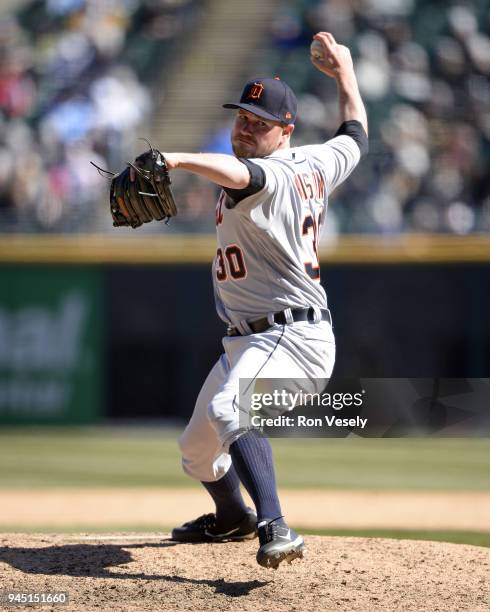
<point x="230" y="262"/>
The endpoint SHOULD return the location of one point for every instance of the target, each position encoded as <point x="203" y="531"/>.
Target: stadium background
<point x="405" y="255"/>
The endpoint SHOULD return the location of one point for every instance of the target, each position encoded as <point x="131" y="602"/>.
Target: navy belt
<point x="299" y="314"/>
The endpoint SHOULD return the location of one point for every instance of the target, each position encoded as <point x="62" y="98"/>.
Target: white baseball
<point x="316" y="50"/>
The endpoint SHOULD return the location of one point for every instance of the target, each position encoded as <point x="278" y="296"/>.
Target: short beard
<point x="243" y="152"/>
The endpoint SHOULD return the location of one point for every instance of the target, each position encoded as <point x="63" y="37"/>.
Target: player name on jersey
<point x="310" y="185"/>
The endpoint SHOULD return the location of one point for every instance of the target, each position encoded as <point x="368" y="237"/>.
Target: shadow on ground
<point x="95" y="561"/>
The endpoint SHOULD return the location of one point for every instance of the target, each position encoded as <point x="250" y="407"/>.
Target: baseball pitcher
<point x="266" y="276"/>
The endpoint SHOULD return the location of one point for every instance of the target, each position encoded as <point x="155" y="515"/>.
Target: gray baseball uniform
<point x="267" y="261"/>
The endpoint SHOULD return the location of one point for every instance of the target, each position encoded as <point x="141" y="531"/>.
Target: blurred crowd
<point x="423" y="68"/>
<point x="75" y="82"/>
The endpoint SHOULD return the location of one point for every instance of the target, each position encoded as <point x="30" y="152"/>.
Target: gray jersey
<point x="267" y="257"/>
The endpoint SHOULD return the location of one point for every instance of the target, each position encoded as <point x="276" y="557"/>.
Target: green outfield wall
<point x="51" y="344"/>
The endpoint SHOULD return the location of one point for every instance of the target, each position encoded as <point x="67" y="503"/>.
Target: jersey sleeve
<point x="339" y="156"/>
<point x="257" y="182"/>
<point x="269" y="170"/>
<point x="265" y="202"/>
<point x="354" y="129"/>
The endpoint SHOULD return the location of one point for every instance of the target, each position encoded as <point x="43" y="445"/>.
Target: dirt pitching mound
<point x="149" y="572"/>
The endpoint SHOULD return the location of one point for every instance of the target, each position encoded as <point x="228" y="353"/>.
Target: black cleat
<point x="204" y="529"/>
<point x="278" y="543"/>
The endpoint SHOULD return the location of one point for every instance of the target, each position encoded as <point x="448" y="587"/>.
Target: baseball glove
<point x="141" y="193"/>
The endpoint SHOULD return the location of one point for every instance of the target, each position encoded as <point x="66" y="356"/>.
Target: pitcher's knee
<point x="197" y="470"/>
<point x="191" y="457"/>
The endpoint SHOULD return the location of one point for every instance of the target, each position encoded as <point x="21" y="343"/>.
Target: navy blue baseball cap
<point x="270" y="99"/>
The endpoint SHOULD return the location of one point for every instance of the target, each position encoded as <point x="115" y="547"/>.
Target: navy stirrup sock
<point x="230" y="505"/>
<point x="252" y="458"/>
